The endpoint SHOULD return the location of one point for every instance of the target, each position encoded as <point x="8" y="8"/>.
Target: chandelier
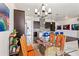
<point x="43" y="12"/>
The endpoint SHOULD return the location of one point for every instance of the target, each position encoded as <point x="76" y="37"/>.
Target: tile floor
<point x="72" y="48"/>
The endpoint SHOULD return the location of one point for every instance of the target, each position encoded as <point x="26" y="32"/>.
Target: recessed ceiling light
<point x="28" y="9"/>
<point x="56" y="14"/>
<point x="46" y="4"/>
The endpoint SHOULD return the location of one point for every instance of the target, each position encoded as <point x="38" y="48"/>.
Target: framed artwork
<point x="4" y="17"/>
<point x="66" y="27"/>
<point x="58" y="27"/>
<point x="75" y="26"/>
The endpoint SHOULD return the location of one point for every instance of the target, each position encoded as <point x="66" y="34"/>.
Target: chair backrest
<point x="52" y="37"/>
<point x="27" y="50"/>
<point x="23" y="45"/>
<point x="63" y="40"/>
<point x="58" y="38"/>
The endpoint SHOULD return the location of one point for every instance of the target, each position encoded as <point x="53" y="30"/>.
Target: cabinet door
<point x="52" y="26"/>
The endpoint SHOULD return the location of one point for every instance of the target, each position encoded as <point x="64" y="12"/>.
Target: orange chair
<point x="27" y="50"/>
<point x="62" y="41"/>
<point x="23" y="45"/>
<point x="58" y="38"/>
<point x="52" y="37"/>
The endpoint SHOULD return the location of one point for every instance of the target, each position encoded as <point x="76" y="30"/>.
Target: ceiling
<point x="59" y="10"/>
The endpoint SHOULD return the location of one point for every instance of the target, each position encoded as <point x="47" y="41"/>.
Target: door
<point x="19" y="21"/>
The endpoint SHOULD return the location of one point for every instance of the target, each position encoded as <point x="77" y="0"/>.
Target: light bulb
<point x="28" y="9"/>
<point x="43" y="8"/>
<point x="51" y="22"/>
<point x="46" y="13"/>
<point x="36" y="10"/>
<point x="49" y="10"/>
<point x="38" y="13"/>
<point x="46" y="4"/>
